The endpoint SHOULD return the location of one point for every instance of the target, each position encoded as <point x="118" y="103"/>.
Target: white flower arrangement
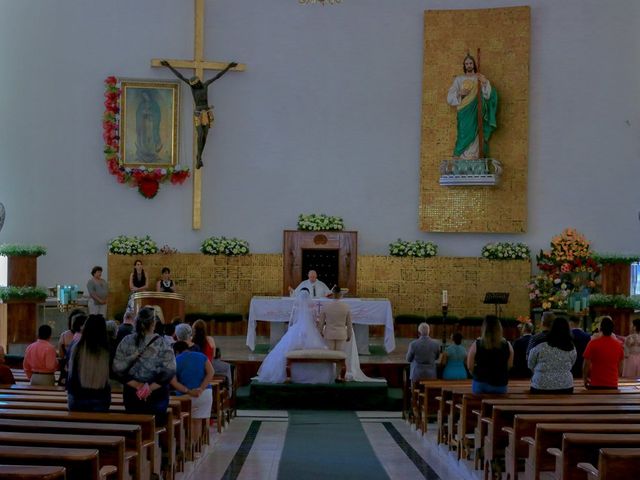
<point x="419" y="248"/>
<point x="224" y="246"/>
<point x="506" y="251"/>
<point x="123" y="245"/>
<point x="317" y="222"/>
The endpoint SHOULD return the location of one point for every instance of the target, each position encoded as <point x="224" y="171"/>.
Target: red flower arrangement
<point x="146" y="180"/>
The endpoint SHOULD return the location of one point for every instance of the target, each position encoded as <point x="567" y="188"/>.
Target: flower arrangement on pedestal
<point x="230" y="247"/>
<point x="568" y="273"/>
<point x="146" y="180"/>
<point x="318" y="222"/>
<point x="506" y="251"/>
<point x="419" y="248"/>
<point x="123" y="245"/>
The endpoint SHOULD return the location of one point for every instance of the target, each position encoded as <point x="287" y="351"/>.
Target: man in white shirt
<point x="317" y="288"/>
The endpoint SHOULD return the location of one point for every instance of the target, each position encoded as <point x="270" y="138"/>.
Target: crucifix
<point x="199" y="65"/>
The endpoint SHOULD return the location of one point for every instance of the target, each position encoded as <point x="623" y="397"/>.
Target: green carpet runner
<point x="328" y="444"/>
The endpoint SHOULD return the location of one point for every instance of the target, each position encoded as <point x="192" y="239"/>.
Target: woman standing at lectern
<point x="138" y="279"/>
<point x="165" y="284"/>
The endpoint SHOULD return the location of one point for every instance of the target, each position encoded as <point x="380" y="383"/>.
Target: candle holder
<point x="445" y="311"/>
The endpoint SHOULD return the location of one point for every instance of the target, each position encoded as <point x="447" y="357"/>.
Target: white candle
<point x="445" y="298"/>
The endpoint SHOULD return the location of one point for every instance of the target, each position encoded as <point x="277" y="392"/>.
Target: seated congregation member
<point x="165" y="284"/>
<point x="490" y="358"/>
<point x="603" y="358"/>
<point x="98" y="291"/>
<point x="520" y="368"/>
<point x="453" y="359"/>
<point x="6" y="375"/>
<point x="146" y="365"/>
<point x="317" y="288"/>
<point x="545" y="325"/>
<point x="423" y="355"/>
<point x="77" y="318"/>
<point x="223" y="368"/>
<point x="632" y="352"/>
<point x="88" y="378"/>
<point x="580" y="340"/>
<point x="184" y="333"/>
<point x="194" y="373"/>
<point x="40" y="362"/>
<point x="205" y="343"/>
<point x="552" y="360"/>
<point x="126" y="327"/>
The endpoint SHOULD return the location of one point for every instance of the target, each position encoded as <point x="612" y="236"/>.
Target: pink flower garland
<point x="146" y="180"/>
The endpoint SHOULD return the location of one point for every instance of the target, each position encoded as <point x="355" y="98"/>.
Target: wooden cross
<point x="199" y="65"/>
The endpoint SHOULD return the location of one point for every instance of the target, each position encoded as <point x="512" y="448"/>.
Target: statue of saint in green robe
<point x="463" y="95"/>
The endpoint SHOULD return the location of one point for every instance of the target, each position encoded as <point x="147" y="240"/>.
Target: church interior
<point x="438" y="162"/>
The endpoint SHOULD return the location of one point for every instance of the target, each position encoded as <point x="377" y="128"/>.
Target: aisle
<point x="272" y="445"/>
<point x="328" y="444"/>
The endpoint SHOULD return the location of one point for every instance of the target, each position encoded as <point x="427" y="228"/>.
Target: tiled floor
<point x="251" y="446"/>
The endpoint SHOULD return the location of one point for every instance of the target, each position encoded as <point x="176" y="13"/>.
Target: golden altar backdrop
<point x="413" y="285"/>
<point x="503" y="36"/>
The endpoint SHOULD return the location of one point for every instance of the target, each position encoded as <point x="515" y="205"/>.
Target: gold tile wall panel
<point x="413" y="285"/>
<point x="503" y="36"/>
<point x="210" y="283"/>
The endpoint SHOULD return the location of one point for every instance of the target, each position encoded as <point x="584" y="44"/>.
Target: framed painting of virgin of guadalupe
<point x="149" y="123"/>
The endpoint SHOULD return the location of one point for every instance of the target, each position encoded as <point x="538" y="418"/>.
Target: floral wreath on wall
<point x="146" y="180"/>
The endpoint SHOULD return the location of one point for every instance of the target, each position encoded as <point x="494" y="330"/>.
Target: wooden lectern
<point x="172" y="304"/>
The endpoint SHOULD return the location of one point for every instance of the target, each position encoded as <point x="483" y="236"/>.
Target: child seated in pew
<point x="194" y="373"/>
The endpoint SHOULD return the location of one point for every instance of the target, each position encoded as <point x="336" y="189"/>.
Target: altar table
<point x="364" y="312"/>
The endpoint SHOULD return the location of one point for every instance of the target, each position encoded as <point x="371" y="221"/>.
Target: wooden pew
<point x="495" y="414"/>
<point x="131" y="433"/>
<point x="32" y="472"/>
<point x="522" y="443"/>
<point x="147" y="424"/>
<point x="168" y="439"/>
<point x="549" y="436"/>
<point x="613" y="464"/>
<point x="80" y="464"/>
<point x="111" y="449"/>
<point x="585" y="448"/>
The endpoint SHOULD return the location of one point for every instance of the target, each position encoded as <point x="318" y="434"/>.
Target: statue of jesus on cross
<point x="203" y="112"/>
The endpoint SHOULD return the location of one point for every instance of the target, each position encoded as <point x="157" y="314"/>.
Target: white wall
<point x="325" y="119"/>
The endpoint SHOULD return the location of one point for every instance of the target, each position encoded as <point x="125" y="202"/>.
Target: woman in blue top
<point x="453" y="360"/>
<point x="193" y="375"/>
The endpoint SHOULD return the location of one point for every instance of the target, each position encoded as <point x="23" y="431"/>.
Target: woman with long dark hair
<point x="205" y="343"/>
<point x="146" y="365"/>
<point x="490" y="358"/>
<point x="88" y="370"/>
<point x="551" y="361"/>
<point x="138" y="281"/>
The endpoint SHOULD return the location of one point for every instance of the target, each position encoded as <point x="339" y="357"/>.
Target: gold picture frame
<point x="149" y="123"/>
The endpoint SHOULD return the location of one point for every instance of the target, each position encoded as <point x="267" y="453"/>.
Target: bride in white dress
<point x="303" y="334"/>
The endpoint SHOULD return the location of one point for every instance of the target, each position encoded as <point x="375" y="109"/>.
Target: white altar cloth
<point x="363" y="312"/>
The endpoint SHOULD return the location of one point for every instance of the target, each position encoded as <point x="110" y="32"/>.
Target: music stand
<point x="495" y="299"/>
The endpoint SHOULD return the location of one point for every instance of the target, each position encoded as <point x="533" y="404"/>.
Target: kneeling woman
<point x="193" y="376"/>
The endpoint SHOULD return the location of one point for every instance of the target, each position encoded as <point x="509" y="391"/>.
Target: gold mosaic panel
<point x="503" y="36"/>
<point x="210" y="283"/>
<point x="413" y="285"/>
